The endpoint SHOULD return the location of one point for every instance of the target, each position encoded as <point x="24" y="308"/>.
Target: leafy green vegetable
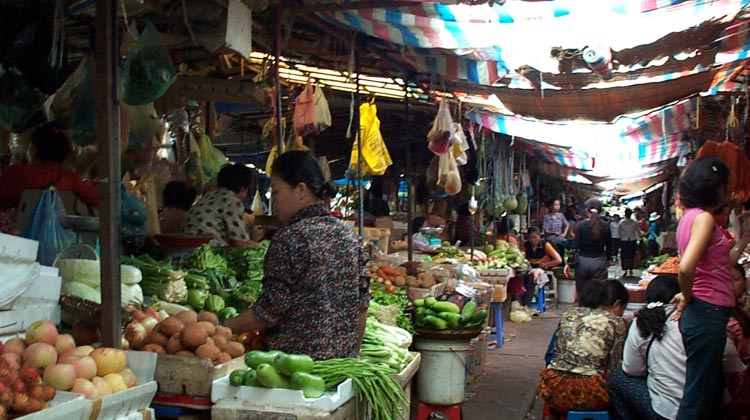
<point x="397" y="299"/>
<point x="204" y="262"/>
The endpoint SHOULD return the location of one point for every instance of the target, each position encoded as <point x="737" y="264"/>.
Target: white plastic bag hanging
<point x="449" y="178"/>
<point x="439" y="137"/>
<point x="460" y="145"/>
<point x="322" y="111"/>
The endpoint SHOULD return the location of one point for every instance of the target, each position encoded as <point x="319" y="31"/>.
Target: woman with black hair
<point x="315" y="294"/>
<point x="707" y="298"/>
<point x="49" y="149"/>
<point x="177" y="199"/>
<point x="651" y="381"/>
<point x="629" y="234"/>
<point x="585" y="348"/>
<point x="590" y="247"/>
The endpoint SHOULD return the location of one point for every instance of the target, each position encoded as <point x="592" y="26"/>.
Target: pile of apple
<point x="187" y="334"/>
<point x="59" y="365"/>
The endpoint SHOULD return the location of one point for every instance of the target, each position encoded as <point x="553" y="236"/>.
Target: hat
<point x="653" y="216"/>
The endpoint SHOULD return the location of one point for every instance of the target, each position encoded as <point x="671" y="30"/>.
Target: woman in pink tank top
<point x="705" y="277"/>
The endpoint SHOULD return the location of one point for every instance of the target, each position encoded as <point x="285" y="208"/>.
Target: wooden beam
<point x="212" y="89"/>
<point x="107" y="129"/>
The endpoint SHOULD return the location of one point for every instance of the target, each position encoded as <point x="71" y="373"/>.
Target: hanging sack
<point x="460" y="145"/>
<point x="71" y="105"/>
<point x="439" y="137"/>
<point x="46" y="228"/>
<point x="375" y="156"/>
<point x="304" y="119"/>
<point x="212" y="159"/>
<point x="322" y="111"/>
<point x="147" y="71"/>
<point x="449" y="178"/>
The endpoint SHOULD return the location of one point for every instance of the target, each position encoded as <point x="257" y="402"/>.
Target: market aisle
<point x="508" y="385"/>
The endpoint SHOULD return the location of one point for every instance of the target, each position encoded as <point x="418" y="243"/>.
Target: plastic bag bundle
<point x="212" y="159"/>
<point x="449" y="178"/>
<point x="133" y="215"/>
<point x="46" y="228"/>
<point x="322" y="110"/>
<point x="72" y="105"/>
<point x="147" y="71"/>
<point x="375" y="155"/>
<point x="439" y="137"/>
<point x="145" y="126"/>
<point x="460" y="145"/>
<point x="18" y="100"/>
<point x="304" y="118"/>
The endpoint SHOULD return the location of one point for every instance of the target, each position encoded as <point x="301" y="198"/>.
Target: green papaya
<point x="255" y="358"/>
<point x="312" y="386"/>
<point x="287" y="364"/>
<point x="269" y="377"/>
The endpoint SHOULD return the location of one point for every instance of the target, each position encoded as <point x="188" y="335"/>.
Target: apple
<point x="39" y="355"/>
<point x="85" y="388"/>
<point x="85" y="367"/>
<point x="64" y="343"/>
<point x="62" y="376"/>
<point x="108" y="360"/>
<point x="102" y="387"/>
<point x="42" y="331"/>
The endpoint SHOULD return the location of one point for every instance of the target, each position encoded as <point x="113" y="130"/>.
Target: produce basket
<point x="496" y="276"/>
<point x="191" y="376"/>
<point x="448" y="335"/>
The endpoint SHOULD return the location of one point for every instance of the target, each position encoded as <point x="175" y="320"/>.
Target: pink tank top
<point x="713" y="278"/>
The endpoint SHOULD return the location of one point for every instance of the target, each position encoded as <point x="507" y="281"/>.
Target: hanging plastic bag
<point x="257" y="206"/>
<point x="212" y="159"/>
<point x="133" y="215"/>
<point x="18" y="100"/>
<point x="145" y="126"/>
<point x="304" y="118"/>
<point x="147" y="71"/>
<point x="375" y="156"/>
<point x="439" y="137"/>
<point x="72" y="105"/>
<point x="46" y="228"/>
<point x="271" y="159"/>
<point x="449" y="177"/>
<point x="460" y="145"/>
<point x="322" y="111"/>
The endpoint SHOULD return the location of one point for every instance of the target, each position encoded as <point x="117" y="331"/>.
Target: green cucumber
<point x="479" y="316"/>
<point x="428" y="302"/>
<point x="250" y="378"/>
<point x="451" y="318"/>
<point x="257" y="357"/>
<point x="269" y="377"/>
<point x="235" y="378"/>
<point x="446" y="307"/>
<point x="436" y="323"/>
<point x="469" y="309"/>
<point x="419" y="303"/>
<point x="312" y="386"/>
<point x="472" y="325"/>
<point x="290" y="363"/>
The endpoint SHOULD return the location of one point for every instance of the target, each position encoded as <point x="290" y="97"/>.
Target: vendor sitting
<point x="542" y="256"/>
<point x="220" y="213"/>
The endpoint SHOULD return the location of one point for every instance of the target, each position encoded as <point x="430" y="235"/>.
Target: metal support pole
<point x="277" y="83"/>
<point x="409" y="176"/>
<point x="360" y="160"/>
<point x="107" y="129"/>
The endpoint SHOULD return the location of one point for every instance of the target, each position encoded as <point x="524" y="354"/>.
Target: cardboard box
<point x="18" y="249"/>
<point x="18" y="320"/>
<point x="191" y="376"/>
<point x="44" y="291"/>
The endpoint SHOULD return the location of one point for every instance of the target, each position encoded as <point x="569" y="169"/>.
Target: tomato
<point x="390" y="289"/>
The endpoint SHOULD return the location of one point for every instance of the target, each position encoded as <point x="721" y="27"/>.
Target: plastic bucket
<point x="567" y="291"/>
<point x="441" y="379"/>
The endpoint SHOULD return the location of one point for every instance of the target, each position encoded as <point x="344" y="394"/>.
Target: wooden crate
<point x="191" y="376"/>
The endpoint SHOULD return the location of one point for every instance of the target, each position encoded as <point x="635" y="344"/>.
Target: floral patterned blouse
<point x="314" y="287"/>
<point x="219" y="213"/>
<point x="589" y="342"/>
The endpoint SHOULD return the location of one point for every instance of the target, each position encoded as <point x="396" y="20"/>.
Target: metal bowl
<point x="431" y="231"/>
<point x="80" y="223"/>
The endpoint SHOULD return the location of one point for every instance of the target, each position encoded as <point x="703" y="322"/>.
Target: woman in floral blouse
<point x="315" y="294"/>
<point x="585" y="348"/>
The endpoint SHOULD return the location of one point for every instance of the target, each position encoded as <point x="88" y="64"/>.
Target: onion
<point x="138" y="315"/>
<point x="163" y="314"/>
<point x="149" y="323"/>
<point x="135" y="333"/>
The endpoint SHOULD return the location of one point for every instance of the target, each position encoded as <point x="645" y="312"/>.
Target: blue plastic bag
<point x="46" y="228"/>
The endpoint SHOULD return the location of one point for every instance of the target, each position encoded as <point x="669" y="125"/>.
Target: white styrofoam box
<point x="282" y="398"/>
<point x="18" y="248"/>
<point x="65" y="406"/>
<point x="44" y="291"/>
<point x="19" y="319"/>
<point x="132" y="400"/>
<point x="145" y="414"/>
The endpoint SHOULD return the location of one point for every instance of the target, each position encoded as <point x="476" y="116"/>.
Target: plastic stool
<point x="587" y="415"/>
<point x="541" y="300"/>
<point x="447" y="412"/>
<point x="499" y="336"/>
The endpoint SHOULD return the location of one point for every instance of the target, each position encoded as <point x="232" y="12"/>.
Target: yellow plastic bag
<point x="211" y="158"/>
<point x="271" y="159"/>
<point x="375" y="156"/>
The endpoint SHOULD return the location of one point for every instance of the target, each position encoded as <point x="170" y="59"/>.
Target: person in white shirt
<point x="629" y="233"/>
<point x="652" y="378"/>
<point x="614" y="233"/>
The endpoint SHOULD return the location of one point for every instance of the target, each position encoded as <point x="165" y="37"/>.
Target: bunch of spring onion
<point x="385" y="345"/>
<point x="373" y="383"/>
<point x="159" y="279"/>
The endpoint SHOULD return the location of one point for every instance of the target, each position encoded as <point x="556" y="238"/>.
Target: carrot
<point x="390" y="270"/>
<point x="384" y="275"/>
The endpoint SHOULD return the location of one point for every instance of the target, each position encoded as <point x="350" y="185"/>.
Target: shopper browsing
<point x="707" y="297"/>
<point x="590" y="247"/>
<point x="556" y="228"/>
<point x="315" y="294"/>
<point x="629" y="234"/>
<point x="586" y="347"/>
<point x="651" y="381"/>
<point x="614" y="232"/>
<point x="653" y="232"/>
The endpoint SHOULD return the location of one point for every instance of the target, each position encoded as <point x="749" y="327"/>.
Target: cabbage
<point x="82" y="290"/>
<point x="131" y="295"/>
<point x="89" y="272"/>
<point x="130" y="275"/>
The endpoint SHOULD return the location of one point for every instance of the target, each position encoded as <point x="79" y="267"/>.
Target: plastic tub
<point x="567" y="291"/>
<point x="442" y="373"/>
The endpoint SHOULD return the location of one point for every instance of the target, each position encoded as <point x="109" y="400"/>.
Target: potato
<point x="171" y="326"/>
<point x="399" y="281"/>
<point x="224" y="332"/>
<point x="154" y="348"/>
<point x="193" y="336"/>
<point x="174" y="344"/>
<point x="220" y="342"/>
<point x="208" y="317"/>
<point x="222" y="358"/>
<point x="207" y="351"/>
<point x="411" y="281"/>
<point x="155" y="337"/>
<point x="188" y="317"/>
<point x="209" y="327"/>
<point x="235" y="349"/>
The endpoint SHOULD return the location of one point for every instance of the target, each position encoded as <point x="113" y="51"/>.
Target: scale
<point x="432" y="233"/>
<point x="85" y="228"/>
